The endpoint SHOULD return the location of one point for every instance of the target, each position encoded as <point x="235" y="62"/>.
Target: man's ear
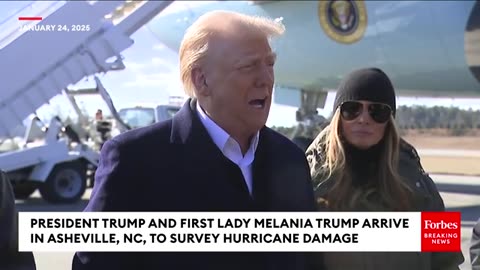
<point x="199" y="80"/>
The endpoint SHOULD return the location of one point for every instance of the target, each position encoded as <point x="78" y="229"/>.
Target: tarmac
<point x="449" y="153"/>
<point x="460" y="193"/>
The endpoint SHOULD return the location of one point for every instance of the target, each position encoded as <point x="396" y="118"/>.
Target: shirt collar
<point x="219" y="136"/>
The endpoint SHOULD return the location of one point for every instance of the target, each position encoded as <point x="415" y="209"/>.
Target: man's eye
<point x="247" y="66"/>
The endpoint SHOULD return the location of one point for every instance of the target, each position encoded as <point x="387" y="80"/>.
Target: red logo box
<point x="441" y="232"/>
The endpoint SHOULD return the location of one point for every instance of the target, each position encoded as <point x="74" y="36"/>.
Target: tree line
<point x="421" y="117"/>
<point x="455" y="121"/>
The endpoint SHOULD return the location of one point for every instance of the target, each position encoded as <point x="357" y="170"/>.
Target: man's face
<point x="239" y="80"/>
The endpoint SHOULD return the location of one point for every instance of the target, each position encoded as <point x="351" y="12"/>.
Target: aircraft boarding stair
<point x="38" y="65"/>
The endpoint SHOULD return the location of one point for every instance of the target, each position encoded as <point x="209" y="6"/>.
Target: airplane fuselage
<point x="427" y="48"/>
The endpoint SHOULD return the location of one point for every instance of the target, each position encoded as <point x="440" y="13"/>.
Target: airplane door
<point x="423" y="43"/>
<point x="472" y="41"/>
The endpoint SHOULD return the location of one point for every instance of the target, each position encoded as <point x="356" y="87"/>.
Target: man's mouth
<point x="258" y="103"/>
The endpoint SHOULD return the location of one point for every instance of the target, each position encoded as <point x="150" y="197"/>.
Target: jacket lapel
<point x="198" y="149"/>
<point x="267" y="177"/>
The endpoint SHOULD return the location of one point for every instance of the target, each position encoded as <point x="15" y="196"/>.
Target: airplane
<point x="428" y="49"/>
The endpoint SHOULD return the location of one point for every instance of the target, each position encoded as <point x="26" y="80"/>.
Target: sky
<point x="151" y="76"/>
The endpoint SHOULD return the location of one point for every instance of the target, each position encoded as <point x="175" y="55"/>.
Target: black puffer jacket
<point x="427" y="198"/>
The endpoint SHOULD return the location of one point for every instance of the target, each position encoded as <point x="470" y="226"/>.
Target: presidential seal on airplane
<point x="344" y="21"/>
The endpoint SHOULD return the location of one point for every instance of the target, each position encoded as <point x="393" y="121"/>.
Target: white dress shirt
<point x="230" y="148"/>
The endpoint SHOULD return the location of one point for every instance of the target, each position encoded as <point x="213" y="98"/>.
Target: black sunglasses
<point x="379" y="112"/>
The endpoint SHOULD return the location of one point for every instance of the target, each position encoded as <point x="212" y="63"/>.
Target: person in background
<point x="360" y="163"/>
<point x="216" y="154"/>
<point x="475" y="247"/>
<point x="99" y="115"/>
<point x="103" y="127"/>
<point x="10" y="257"/>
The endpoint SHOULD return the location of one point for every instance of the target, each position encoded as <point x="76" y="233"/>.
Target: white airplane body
<point x="429" y="49"/>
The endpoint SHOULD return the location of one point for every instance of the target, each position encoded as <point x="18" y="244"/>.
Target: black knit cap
<point x="371" y="84"/>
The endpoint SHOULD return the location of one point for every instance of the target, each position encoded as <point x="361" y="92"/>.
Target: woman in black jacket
<point x="359" y="163"/>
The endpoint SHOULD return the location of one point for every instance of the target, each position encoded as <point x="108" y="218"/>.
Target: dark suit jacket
<point x="175" y="166"/>
<point x="10" y="258"/>
<point x="475" y="247"/>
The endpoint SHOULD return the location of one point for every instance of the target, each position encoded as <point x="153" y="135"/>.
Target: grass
<point x="451" y="165"/>
<point x="444" y="142"/>
<point x="447" y="165"/>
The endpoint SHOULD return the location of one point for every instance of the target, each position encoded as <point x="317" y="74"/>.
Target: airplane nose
<point x="169" y="27"/>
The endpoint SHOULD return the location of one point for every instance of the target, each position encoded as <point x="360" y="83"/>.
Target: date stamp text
<point x="56" y="28"/>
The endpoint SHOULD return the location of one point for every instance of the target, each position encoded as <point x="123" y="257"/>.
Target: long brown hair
<point x="330" y="164"/>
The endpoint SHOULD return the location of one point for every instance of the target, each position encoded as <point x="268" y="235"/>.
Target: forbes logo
<point x="430" y="225"/>
<point x="441" y="231"/>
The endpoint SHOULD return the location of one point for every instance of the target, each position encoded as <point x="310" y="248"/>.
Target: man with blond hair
<point x="216" y="154"/>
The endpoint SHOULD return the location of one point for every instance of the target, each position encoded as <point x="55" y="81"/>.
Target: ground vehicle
<point x="57" y="158"/>
<point x="55" y="161"/>
<point x="147" y="114"/>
